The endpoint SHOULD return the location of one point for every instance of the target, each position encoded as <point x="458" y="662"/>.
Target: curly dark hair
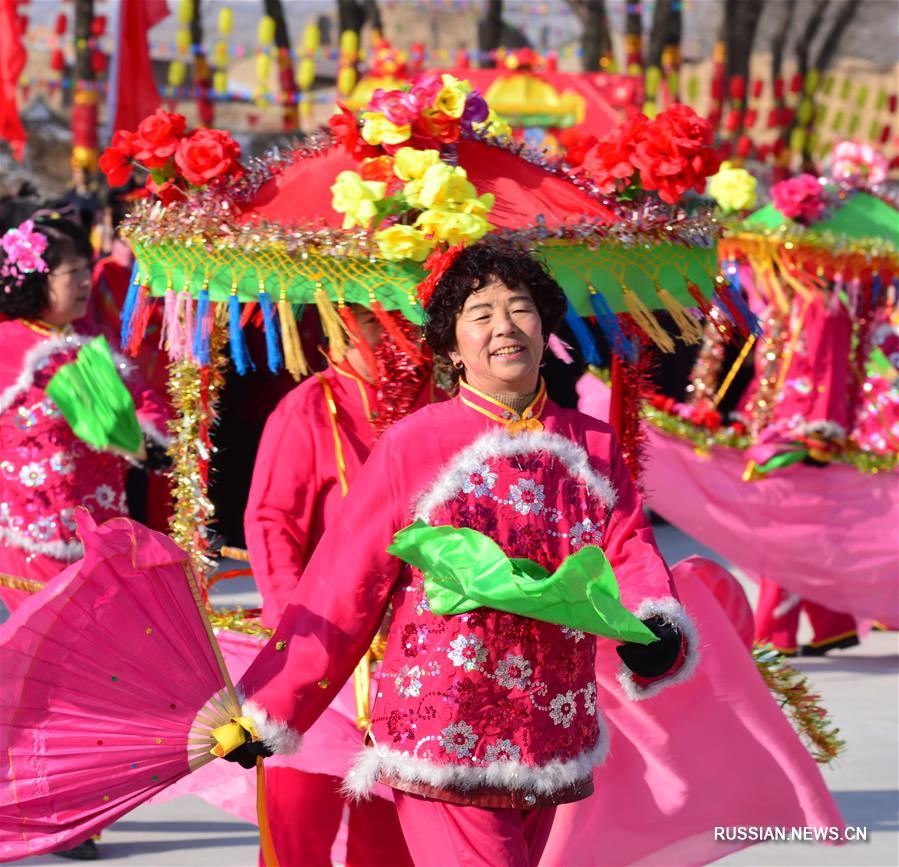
<point x="472" y="270"/>
<point x="29" y="299"/>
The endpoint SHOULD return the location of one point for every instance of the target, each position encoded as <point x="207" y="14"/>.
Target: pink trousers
<point x="305" y="812"/>
<point x="777" y="619"/>
<point x="447" y="835"/>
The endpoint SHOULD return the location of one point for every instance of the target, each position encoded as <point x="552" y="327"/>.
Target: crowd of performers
<point x="487" y="731"/>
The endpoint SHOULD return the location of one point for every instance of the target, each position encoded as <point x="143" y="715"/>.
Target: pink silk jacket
<point x="485" y="707"/>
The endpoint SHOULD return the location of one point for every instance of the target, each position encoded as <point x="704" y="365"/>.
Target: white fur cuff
<point x="279" y="737"/>
<point x="672" y="613"/>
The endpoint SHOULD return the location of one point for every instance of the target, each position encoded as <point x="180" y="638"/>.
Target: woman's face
<point x="499" y="339"/>
<point x="69" y="291"/>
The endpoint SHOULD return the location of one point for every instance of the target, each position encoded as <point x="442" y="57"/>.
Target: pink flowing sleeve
<point x="280" y="507"/>
<point x="646" y="585"/>
<point x="333" y="615"/>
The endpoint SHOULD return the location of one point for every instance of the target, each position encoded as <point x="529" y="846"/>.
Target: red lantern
<point x="796" y="83"/>
<point x="718" y="89"/>
<point x="98" y="62"/>
<point x="62" y="23"/>
<point x="779" y="146"/>
<point x="98" y="25"/>
<point x="750" y="118"/>
<point x="733" y="120"/>
<point x="737" y="87"/>
<point x="779" y="88"/>
<point x="57" y="60"/>
<point x="744" y="146"/>
<point x="773" y="118"/>
<point x="885" y="133"/>
<point x="892" y="103"/>
<point x="757" y="87"/>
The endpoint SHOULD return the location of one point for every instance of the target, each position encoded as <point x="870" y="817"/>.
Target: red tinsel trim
<point x="438" y="263"/>
<point x="395" y="333"/>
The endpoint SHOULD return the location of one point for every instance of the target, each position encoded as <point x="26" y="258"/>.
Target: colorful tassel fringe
<point x="689" y="326"/>
<point x="273" y="356"/>
<point x="240" y="353"/>
<point x="294" y="359"/>
<point x="584" y="338"/>
<point x="131" y="298"/>
<point x="608" y="322"/>
<point x="203" y="329"/>
<point x="332" y="326"/>
<point x="646" y="321"/>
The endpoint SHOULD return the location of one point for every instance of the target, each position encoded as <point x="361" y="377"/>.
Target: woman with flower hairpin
<point x="46" y="471"/>
<point x="486" y="715"/>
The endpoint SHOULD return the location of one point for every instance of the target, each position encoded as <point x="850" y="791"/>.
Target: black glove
<point x="157" y="456"/>
<point x="247" y="753"/>
<point x="653" y="660"/>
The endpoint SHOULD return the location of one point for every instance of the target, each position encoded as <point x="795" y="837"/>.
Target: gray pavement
<point x="860" y="688"/>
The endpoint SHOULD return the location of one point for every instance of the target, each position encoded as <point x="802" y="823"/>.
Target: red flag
<point x="132" y="88"/>
<point x="12" y="62"/>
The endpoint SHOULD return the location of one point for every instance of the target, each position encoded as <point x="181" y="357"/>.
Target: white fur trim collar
<point x="44" y="350"/>
<point x="498" y="443"/>
<point x="374" y="761"/>
<point x="153" y="433"/>
<point x="279" y="737"/>
<point x="67" y="552"/>
<point x="673" y="613"/>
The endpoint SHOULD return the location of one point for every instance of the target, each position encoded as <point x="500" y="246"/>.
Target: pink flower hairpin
<point x="23" y="247"/>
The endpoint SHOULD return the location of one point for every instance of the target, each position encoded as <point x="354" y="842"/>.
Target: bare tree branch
<point x="596" y="41"/>
<point x="779" y="40"/>
<point x="804" y="45"/>
<point x="831" y="42"/>
<point x="490" y="31"/>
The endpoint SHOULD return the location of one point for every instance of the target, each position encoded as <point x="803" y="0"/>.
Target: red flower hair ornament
<point x="437" y="264"/>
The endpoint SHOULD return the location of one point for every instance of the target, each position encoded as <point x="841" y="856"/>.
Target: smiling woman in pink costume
<point x="485" y="719"/>
<point x="46" y="471"/>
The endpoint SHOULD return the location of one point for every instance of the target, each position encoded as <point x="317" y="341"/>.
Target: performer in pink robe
<point x="45" y="470"/>
<point x="812" y="409"/>
<point x="484" y="721"/>
<point x="312" y="448"/>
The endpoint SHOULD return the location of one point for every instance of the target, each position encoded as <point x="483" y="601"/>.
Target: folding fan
<point x="94" y="400"/>
<point x="112" y="686"/>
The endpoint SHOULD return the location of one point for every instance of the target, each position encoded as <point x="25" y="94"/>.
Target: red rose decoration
<point x="345" y="129"/>
<point x="157" y="138"/>
<point x="576" y="145"/>
<point x="799" y="199"/>
<point x="438" y="263"/>
<point x="610" y="161"/>
<point x="116" y="160"/>
<point x="435" y="126"/>
<point x="166" y="192"/>
<point x="207" y="154"/>
<point x="675" y="154"/>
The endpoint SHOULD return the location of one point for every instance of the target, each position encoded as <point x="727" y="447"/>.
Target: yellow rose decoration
<point x="451" y="98"/>
<point x="356" y="199"/>
<point x="732" y="188"/>
<point x="376" y="129"/>
<point x="452" y="226"/>
<point x="440" y="185"/>
<point x="479" y="205"/>
<point x="411" y="164"/>
<point x="404" y="242"/>
<point x="494" y="126"/>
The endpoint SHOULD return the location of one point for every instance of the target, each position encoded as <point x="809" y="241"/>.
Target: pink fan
<point x="112" y="683"/>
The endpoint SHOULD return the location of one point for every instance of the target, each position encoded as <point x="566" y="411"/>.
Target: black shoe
<point x="821" y="648"/>
<point x="86" y="851"/>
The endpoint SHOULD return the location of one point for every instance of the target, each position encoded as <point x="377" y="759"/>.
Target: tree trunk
<point x="373" y="16"/>
<point x="85" y="141"/>
<point x="658" y="34"/>
<point x="350" y="16"/>
<point x="286" y="78"/>
<point x="490" y="32"/>
<point x="633" y="40"/>
<point x="779" y="40"/>
<point x="596" y="42"/>
<point x="804" y="45"/>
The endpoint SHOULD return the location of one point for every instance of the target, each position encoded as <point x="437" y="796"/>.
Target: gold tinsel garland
<point x="803" y="707"/>
<point x="194" y="393"/>
<point x="238" y="620"/>
<point x="704" y="439"/>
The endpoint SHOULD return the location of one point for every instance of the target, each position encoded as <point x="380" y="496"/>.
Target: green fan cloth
<point x="94" y="401"/>
<point x="464" y="569"/>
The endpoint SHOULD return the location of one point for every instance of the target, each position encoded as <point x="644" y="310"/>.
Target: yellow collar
<point x="505" y="415"/>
